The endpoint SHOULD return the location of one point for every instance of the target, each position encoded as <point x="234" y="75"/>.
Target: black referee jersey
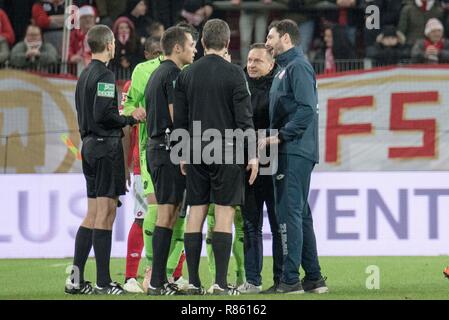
<point x="97" y="104"/>
<point x="215" y="92"/>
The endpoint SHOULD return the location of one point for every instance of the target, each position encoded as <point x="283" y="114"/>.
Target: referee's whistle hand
<point x="139" y="114"/>
<point x="253" y="165"/>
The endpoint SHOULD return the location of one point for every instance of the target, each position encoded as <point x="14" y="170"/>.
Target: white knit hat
<point x="87" y="11"/>
<point x="433" y="24"/>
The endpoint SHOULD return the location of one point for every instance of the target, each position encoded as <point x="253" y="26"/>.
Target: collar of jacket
<point x="286" y="57"/>
<point x="262" y="80"/>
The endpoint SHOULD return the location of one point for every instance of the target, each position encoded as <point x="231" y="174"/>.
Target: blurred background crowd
<point x="334" y="33"/>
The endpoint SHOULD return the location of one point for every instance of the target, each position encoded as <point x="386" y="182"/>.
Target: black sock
<point x="192" y="247"/>
<point x="102" y="241"/>
<point x="83" y="244"/>
<point x="161" y="249"/>
<point x="221" y="246"/>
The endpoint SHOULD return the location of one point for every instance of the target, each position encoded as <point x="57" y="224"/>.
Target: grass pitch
<point x="399" y="278"/>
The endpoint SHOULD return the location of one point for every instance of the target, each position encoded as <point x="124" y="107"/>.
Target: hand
<point x="76" y="58"/>
<point x="139" y="114"/>
<point x="32" y="53"/>
<point x="182" y="165"/>
<point x="128" y="179"/>
<point x="267" y="141"/>
<point x="235" y="2"/>
<point x="432" y="50"/>
<point x="253" y="165"/>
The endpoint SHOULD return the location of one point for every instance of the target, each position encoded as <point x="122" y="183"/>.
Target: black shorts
<point x="103" y="166"/>
<point x="223" y="183"/>
<point x="168" y="181"/>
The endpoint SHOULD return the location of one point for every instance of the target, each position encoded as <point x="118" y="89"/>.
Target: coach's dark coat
<point x="294" y="105"/>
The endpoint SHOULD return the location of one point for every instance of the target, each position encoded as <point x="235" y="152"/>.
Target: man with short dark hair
<point x="215" y="93"/>
<point x="103" y="164"/>
<point x="179" y="50"/>
<point x="294" y="113"/>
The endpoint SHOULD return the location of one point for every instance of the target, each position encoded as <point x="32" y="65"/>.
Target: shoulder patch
<point x="106" y="90"/>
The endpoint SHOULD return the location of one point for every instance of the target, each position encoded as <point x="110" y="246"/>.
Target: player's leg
<point x="276" y="247"/>
<point x="176" y="246"/>
<point x="210" y="230"/>
<point x="102" y="242"/>
<point x="229" y="179"/>
<point x="169" y="189"/>
<point x="135" y="238"/>
<point x="83" y="244"/>
<point x="193" y="240"/>
<point x="162" y="236"/>
<point x="198" y="197"/>
<point x="110" y="183"/>
<point x="237" y="247"/>
<point x="252" y="215"/>
<point x="148" y="228"/>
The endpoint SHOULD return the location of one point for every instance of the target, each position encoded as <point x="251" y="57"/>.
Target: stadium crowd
<point x="31" y="31"/>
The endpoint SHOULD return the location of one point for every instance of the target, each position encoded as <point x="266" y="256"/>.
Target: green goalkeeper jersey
<point x="136" y="99"/>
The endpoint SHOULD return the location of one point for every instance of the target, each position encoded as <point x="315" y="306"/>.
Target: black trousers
<point x="260" y="193"/>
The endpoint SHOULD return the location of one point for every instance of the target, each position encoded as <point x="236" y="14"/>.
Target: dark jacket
<point x="294" y="105"/>
<point x="260" y="99"/>
<point x="413" y="21"/>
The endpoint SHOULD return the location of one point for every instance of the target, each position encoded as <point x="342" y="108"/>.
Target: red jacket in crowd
<point x="6" y="29"/>
<point x="41" y="13"/>
<point x="78" y="45"/>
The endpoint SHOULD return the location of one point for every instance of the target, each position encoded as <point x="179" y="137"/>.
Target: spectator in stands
<point x="434" y="48"/>
<point x="79" y="51"/>
<point x="19" y="13"/>
<point x="33" y="52"/>
<point x="196" y="13"/>
<point x="49" y="16"/>
<point x="136" y="12"/>
<point x="7" y="37"/>
<point x="415" y="16"/>
<point x="128" y="50"/>
<point x="389" y="49"/>
<point x="336" y="47"/>
<point x="6" y="30"/>
<point x="153" y="48"/>
<point x="445" y="7"/>
<point x="110" y="10"/>
<point x="156" y="30"/>
<point x="166" y="11"/>
<point x="306" y="21"/>
<point x="390" y="11"/>
<point x="251" y="20"/>
<point x="348" y="17"/>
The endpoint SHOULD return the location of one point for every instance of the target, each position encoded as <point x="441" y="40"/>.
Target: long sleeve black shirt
<point x="97" y="104"/>
<point x="214" y="92"/>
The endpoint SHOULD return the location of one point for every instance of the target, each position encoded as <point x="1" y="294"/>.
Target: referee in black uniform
<point x="103" y="163"/>
<point x="179" y="50"/>
<point x="213" y="92"/>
